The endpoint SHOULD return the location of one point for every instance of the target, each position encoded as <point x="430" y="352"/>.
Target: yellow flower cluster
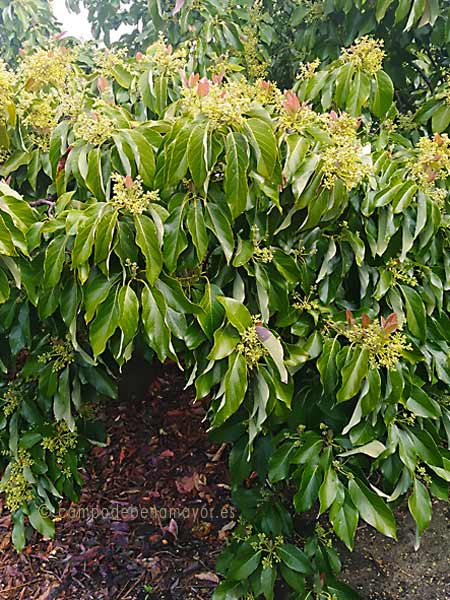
<point x="129" y="195"/>
<point x="316" y="10"/>
<point x="250" y="346"/>
<point x="269" y="548"/>
<point x="401" y="272"/>
<point x="46" y="67"/>
<point x="406" y="122"/>
<point x="6" y="89"/>
<point x="60" y="443"/>
<point x="366" y="55"/>
<point x="307" y="70"/>
<point x="4" y="154"/>
<point x="263" y="255"/>
<point x="222" y="104"/>
<point x="16" y="488"/>
<point x="38" y="112"/>
<point x="305" y="304"/>
<point x="324" y="535"/>
<point x="385" y="348"/>
<point x="265" y="93"/>
<point x="296" y="116"/>
<point x="344" y="158"/>
<point x="107" y="59"/>
<point x="163" y="58"/>
<point x="60" y="355"/>
<point x="256" y="66"/>
<point x="12" y="398"/>
<point x="71" y="100"/>
<point x="94" y="127"/>
<point x="431" y="164"/>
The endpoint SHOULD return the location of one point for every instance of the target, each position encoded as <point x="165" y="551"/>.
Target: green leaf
<point x="105" y="323"/>
<point x="197" y="155"/>
<point x="62" y="402"/>
<point x="147" y="240"/>
<point x="54" y="261"/>
<point x="268" y="578"/>
<point x="419" y="504"/>
<point x="415" y="313"/>
<point x="275" y="349"/>
<point x="235" y="386"/>
<point x="236" y="167"/>
<point x="4" y="287"/>
<point x="238" y="315"/>
<point x="213" y="311"/>
<point x="372" y="508"/>
<point x="105" y="234"/>
<point x="326" y="365"/>
<point x="219" y="224"/>
<point x="280" y="461"/>
<point x="197" y="228"/>
<point x="383" y="95"/>
<point x="309" y="488"/>
<point x="328" y="490"/>
<point x="381" y="8"/>
<point x="153" y="319"/>
<point x="353" y="373"/>
<point x="94" y="176"/>
<point x="344" y="518"/>
<point x="225" y="341"/>
<point x="228" y="590"/>
<point x="244" y="563"/>
<point x="372" y="449"/>
<point x="42" y="524"/>
<point x="18" y="533"/>
<point x="128" y="313"/>
<point x="175" y="164"/>
<point x="265" y="146"/>
<point x="95" y="292"/>
<point x="295" y="559"/>
<point x="175" y="240"/>
<point x="422" y="405"/>
<point x="6" y="242"/>
<point x="441" y="117"/>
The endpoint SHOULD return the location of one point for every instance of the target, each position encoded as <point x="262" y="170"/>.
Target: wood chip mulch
<point x="153" y="515"/>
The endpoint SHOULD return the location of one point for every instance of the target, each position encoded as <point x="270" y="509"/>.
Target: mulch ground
<point x="153" y="514"/>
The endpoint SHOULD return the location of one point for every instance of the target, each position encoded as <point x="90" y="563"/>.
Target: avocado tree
<point x="288" y="248"/>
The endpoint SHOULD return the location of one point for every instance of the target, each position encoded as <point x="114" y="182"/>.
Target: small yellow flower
<point x="60" y="355"/>
<point x="94" y="127"/>
<point x="250" y="346"/>
<point x="16" y="488"/>
<point x="7" y="81"/>
<point x="262" y="255"/>
<point x="61" y="442"/>
<point x="385" y="345"/>
<point x="401" y="272"/>
<point x="107" y="59"/>
<point x="129" y="195"/>
<point x="307" y="70"/>
<point x="12" y="398"/>
<point x="222" y="104"/>
<point x="345" y="158"/>
<point x="431" y="164"/>
<point x="316" y="10"/>
<point x="46" y="67"/>
<point x="366" y="55"/>
<point x="163" y="58"/>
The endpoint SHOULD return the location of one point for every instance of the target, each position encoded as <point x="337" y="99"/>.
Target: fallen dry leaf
<point x="209" y="576"/>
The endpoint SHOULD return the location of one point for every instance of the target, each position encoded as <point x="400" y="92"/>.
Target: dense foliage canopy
<point x="290" y="250"/>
